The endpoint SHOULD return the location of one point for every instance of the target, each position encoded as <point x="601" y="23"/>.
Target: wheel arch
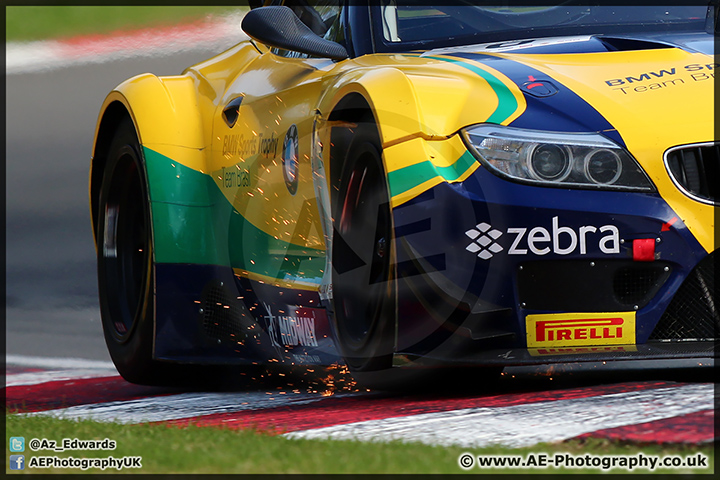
<point x="111" y="116"/>
<point x="167" y="120"/>
<point x="351" y="110"/>
<point x="386" y="92"/>
<point x="387" y="97"/>
<point x="382" y="96"/>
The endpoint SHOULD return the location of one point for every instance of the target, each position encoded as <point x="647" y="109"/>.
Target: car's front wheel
<point x="363" y="283"/>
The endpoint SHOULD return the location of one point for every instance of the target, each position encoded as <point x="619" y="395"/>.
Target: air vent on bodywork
<point x="223" y="316"/>
<point x="694" y="169"/>
<point x="621" y="44"/>
<point x="637" y="284"/>
<point x="693" y="312"/>
<point x="581" y="286"/>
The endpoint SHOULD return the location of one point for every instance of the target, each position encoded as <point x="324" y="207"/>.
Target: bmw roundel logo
<point x="290" y="159"/>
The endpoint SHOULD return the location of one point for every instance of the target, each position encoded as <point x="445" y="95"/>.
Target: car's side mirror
<point x="279" y="27"/>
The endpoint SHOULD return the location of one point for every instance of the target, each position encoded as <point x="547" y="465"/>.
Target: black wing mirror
<point x="279" y="27"/>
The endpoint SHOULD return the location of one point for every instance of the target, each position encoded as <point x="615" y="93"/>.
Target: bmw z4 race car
<point x="400" y="187"/>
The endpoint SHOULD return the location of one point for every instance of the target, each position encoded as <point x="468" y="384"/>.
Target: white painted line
<point x="57" y="369"/>
<point x="172" y="407"/>
<point x="29" y="57"/>
<point x="56" y="362"/>
<point x="36" y="378"/>
<point x="525" y="425"/>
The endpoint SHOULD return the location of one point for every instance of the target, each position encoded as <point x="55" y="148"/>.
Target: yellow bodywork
<point x="639" y="110"/>
<point x="420" y="103"/>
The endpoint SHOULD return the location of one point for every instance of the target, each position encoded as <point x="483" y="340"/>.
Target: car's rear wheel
<point x="363" y="283"/>
<point x="125" y="261"/>
<point x="126" y="283"/>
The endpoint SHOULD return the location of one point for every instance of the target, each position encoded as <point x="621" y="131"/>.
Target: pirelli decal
<point x="580" y="329"/>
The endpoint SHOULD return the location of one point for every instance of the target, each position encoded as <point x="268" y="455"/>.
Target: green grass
<point x="24" y="23"/>
<point x="217" y="450"/>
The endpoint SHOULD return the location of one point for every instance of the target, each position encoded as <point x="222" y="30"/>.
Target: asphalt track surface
<point x="516" y="410"/>
<point x="52" y="312"/>
<point x="52" y="307"/>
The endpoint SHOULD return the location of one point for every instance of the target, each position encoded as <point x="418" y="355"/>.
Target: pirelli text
<point x="639" y="461"/>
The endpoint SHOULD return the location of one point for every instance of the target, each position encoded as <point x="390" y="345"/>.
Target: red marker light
<point x="644" y="249"/>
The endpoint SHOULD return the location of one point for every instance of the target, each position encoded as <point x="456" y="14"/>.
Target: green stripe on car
<point x="409" y="177"/>
<point x="507" y="103"/>
<point x="193" y="222"/>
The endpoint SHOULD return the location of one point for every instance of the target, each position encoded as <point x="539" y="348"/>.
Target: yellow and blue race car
<point x="402" y="187"/>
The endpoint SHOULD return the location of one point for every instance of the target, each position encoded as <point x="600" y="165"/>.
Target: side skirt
<point x="207" y="314"/>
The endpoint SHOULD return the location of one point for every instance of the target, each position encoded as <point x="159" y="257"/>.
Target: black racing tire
<point x="126" y="268"/>
<point x="126" y="285"/>
<point x="364" y="301"/>
<point x="125" y="261"/>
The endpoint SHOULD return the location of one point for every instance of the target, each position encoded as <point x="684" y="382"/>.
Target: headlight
<point x="580" y="160"/>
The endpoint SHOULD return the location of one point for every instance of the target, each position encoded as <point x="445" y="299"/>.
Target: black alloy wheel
<point x="363" y="286"/>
